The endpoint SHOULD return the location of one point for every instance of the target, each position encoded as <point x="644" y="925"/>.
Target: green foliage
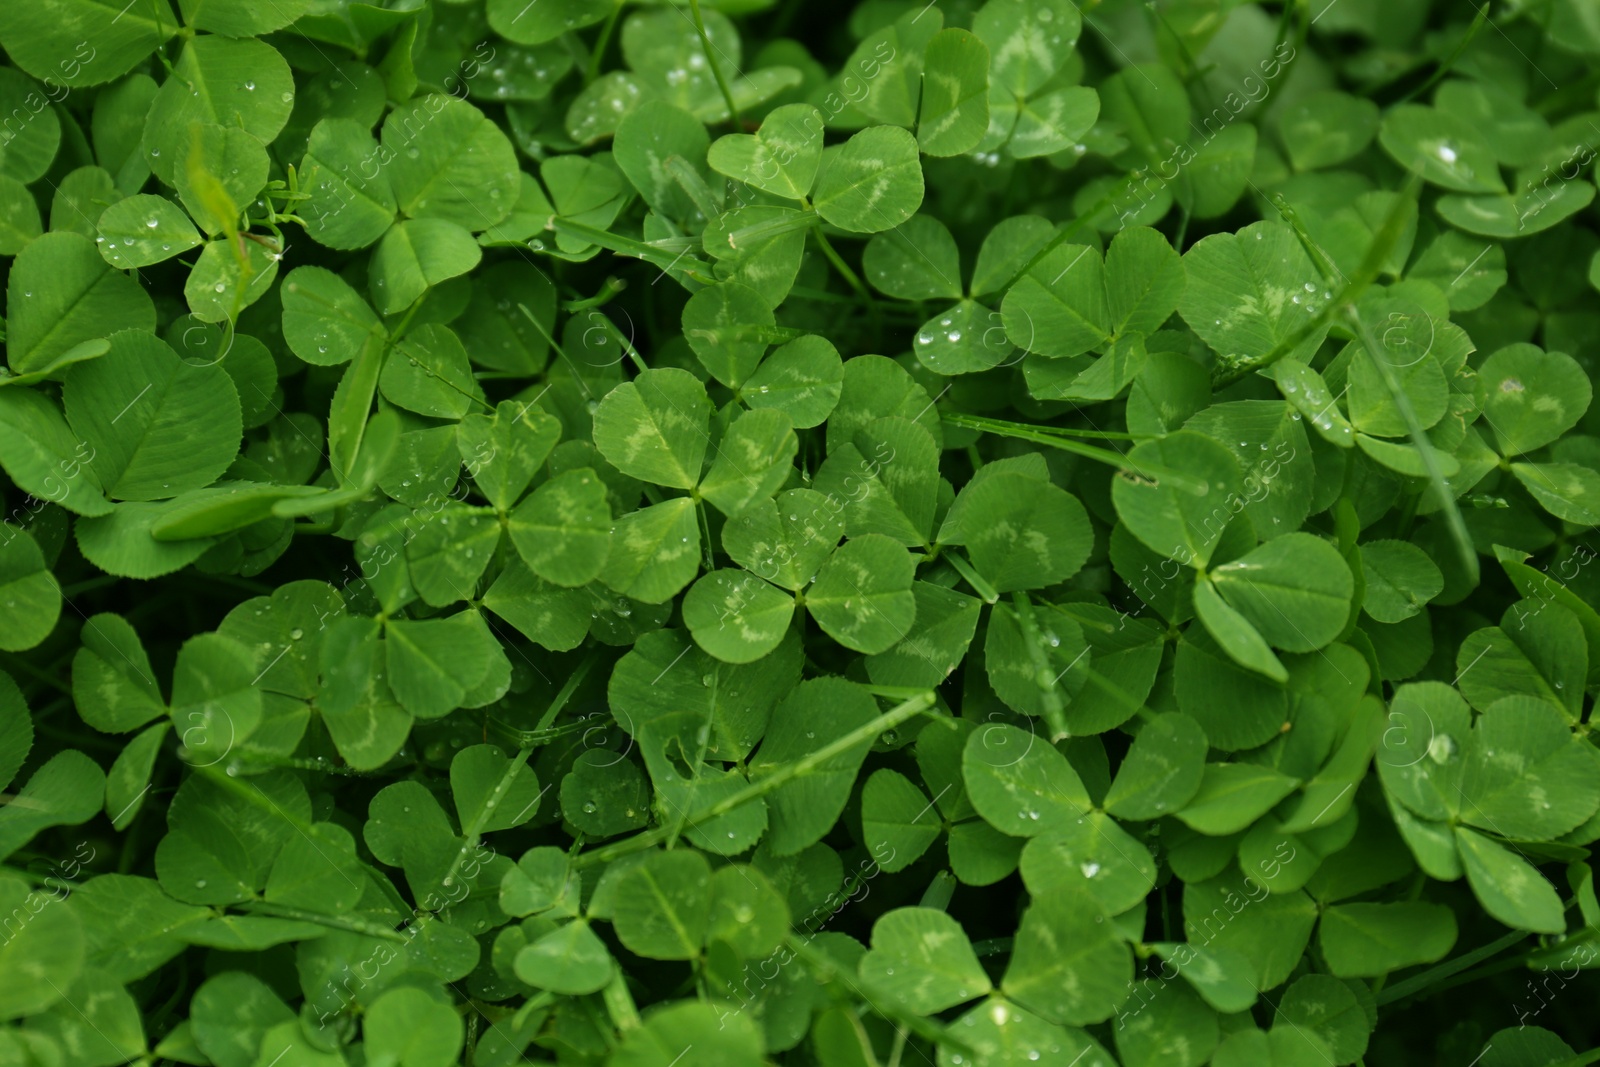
<point x="633" y="533"/>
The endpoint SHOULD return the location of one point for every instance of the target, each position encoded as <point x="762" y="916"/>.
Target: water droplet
<point x="249" y="87"/>
<point x="201" y="884"/>
<point x="296" y="634"/>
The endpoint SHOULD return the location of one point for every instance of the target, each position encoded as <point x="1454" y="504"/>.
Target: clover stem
<point x="470" y="831"/>
<point x="619" y="1002"/>
<point x="705" y="534"/>
<point x="1449" y="61"/>
<point x="658" y="255"/>
<point x="1383" y="243"/>
<point x="405" y="322"/>
<point x="899" y="1046"/>
<point x="1045" y="435"/>
<point x="332" y="922"/>
<point x="555" y="346"/>
<point x="569" y="687"/>
<point x="783" y="775"/>
<point x="851" y="278"/>
<point x="994" y="946"/>
<point x="939" y="891"/>
<point x="1449" y="968"/>
<point x="1045" y="675"/>
<point x="18" y="663"/>
<point x="608" y="291"/>
<point x="627" y="344"/>
<point x="1421" y="442"/>
<point x="826" y="970"/>
<point x="716" y="68"/>
<point x="601" y="42"/>
<point x="979" y="585"/>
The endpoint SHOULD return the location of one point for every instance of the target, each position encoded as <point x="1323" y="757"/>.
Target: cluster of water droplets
<point x="946" y="330"/>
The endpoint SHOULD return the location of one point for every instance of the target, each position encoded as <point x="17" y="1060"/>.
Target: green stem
<point x="1456" y="53"/>
<point x="568" y="687"/>
<point x="532" y="1004"/>
<point x="627" y="246"/>
<point x="1419" y="438"/>
<point x="747" y="236"/>
<point x="994" y="946"/>
<point x="694" y="186"/>
<point x="608" y="292"/>
<point x="997" y="425"/>
<point x="625" y="343"/>
<point x="716" y="68"/>
<point x="470" y="832"/>
<point x="827" y="970"/>
<point x="782" y="776"/>
<point x="411" y="313"/>
<point x="1439" y="972"/>
<point x="851" y="278"/>
<point x="332" y="922"/>
<point x="893" y="692"/>
<point x="1055" y="715"/>
<point x="619" y="1002"/>
<point x="967" y="571"/>
<point x="250" y="793"/>
<point x="537" y="739"/>
<point x="556" y="347"/>
<point x="1038" y="435"/>
<point x="1071" y="228"/>
<point x="18" y="663"/>
<point x="939" y="891"/>
<point x="899" y="1046"/>
<point x="1378" y="251"/>
<point x="705" y="534"/>
<point x="601" y="42"/>
<point x="70" y="591"/>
